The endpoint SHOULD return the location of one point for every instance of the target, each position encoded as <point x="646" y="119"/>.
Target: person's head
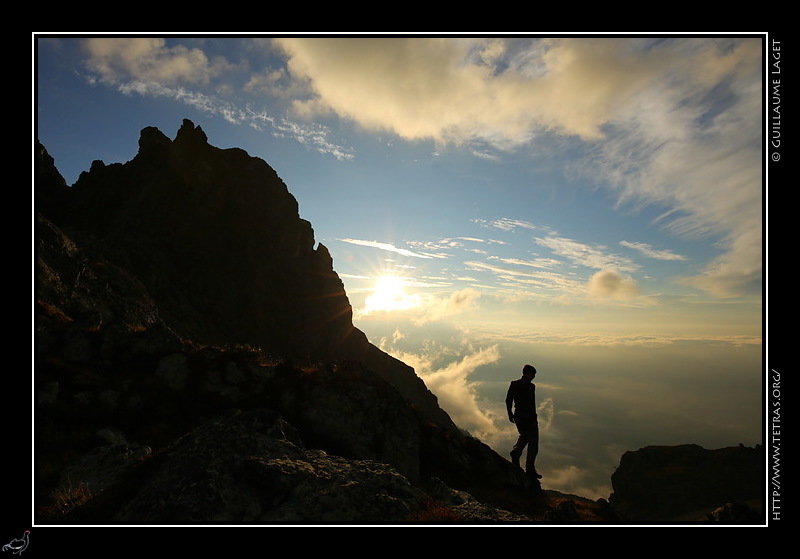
<point x="529" y="371"/>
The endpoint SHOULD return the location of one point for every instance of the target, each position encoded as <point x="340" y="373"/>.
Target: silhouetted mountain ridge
<point x="182" y="286"/>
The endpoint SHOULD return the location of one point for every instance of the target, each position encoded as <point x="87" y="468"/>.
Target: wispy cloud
<point x="312" y="135"/>
<point x="507" y="224"/>
<point x="146" y="66"/>
<point x="457" y="241"/>
<point x="388" y="247"/>
<point x="673" y="147"/>
<point x="546" y="263"/>
<point x="651" y="252"/>
<point x="586" y="255"/>
<point x="526" y="278"/>
<point x="445" y="248"/>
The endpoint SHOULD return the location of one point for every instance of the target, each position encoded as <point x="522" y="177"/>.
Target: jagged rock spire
<point x="191" y="134"/>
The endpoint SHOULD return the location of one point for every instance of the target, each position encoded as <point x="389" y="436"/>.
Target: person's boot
<point x="515" y="459"/>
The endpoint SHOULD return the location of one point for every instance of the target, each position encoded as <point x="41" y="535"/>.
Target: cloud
<point x="146" y="66"/>
<point x="503" y="91"/>
<point x="580" y="481"/>
<point x="419" y="308"/>
<point x="313" y="135"/>
<point x="444" y="247"/>
<point x="585" y="255"/>
<point x="545" y="263"/>
<point x="457" y="395"/>
<point x="525" y="279"/>
<point x="648" y="250"/>
<point x="438" y="308"/>
<point x="416" y="88"/>
<point x="546" y="412"/>
<point x="507" y="224"/>
<point x="692" y="146"/>
<point x="736" y="272"/>
<point x="388" y="247"/>
<point x="148" y="59"/>
<point x="610" y="284"/>
<point x="644" y="336"/>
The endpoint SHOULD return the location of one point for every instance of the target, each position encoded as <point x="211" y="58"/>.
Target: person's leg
<point x="532" y="433"/>
<point x="519" y="446"/>
<point x="523" y="423"/>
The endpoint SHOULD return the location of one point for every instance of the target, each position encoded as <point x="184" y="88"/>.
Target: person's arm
<point x="510" y="402"/>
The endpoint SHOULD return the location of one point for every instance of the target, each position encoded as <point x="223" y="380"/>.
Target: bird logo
<point x="17" y="546"/>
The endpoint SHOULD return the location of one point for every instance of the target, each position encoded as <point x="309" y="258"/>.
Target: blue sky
<point x="591" y="205"/>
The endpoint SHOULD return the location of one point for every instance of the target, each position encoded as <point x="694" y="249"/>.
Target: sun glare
<point x="389" y="294"/>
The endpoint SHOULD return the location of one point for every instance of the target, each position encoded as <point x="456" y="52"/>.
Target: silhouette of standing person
<point x="522" y="395"/>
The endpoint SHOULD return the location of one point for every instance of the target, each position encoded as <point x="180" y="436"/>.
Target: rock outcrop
<point x="689" y="483"/>
<point x="252" y="467"/>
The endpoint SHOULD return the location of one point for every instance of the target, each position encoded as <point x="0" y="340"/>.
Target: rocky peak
<point x="190" y="135"/>
<point x="223" y="228"/>
<point x="152" y="141"/>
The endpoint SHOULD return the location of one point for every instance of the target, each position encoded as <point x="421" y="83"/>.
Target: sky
<point x="589" y="204"/>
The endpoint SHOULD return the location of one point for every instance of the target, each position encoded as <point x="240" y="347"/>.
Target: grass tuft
<point x="436" y="512"/>
<point x="65" y="500"/>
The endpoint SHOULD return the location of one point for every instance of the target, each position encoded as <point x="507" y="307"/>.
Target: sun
<point x="389" y="294"/>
